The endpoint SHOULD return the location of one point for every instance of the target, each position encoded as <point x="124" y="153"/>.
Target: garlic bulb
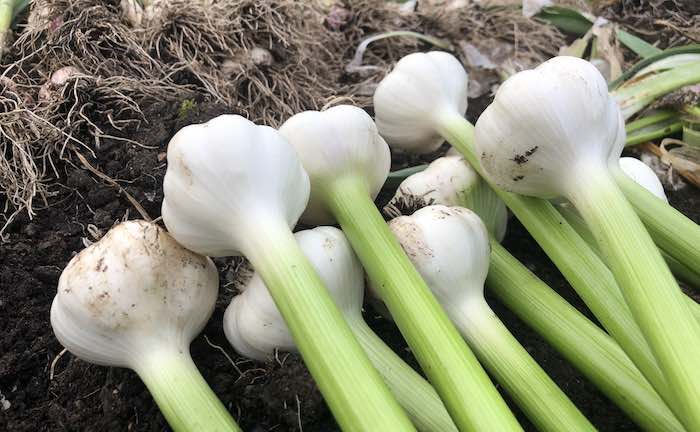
<point x="254" y="325"/>
<point x="235" y="188"/>
<point x="451" y="181"/>
<point x="227" y="176"/>
<point x="534" y="139"/>
<point x="410" y="100"/>
<point x="643" y="175"/>
<point x="339" y="142"/>
<point x="136" y="299"/>
<point x="134" y="291"/>
<point x="450" y="248"/>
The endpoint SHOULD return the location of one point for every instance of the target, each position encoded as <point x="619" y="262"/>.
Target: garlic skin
<point x="449" y="246"/>
<point x="340" y="142"/>
<point x="451" y="181"/>
<point x="409" y="101"/>
<point x="132" y="294"/>
<point x="445" y="181"/>
<point x="253" y="324"/>
<point x="643" y="175"/>
<point x="549" y="126"/>
<point x="226" y="177"/>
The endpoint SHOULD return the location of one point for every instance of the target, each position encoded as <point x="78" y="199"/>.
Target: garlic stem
<point x="581" y="342"/>
<point x="671" y="230"/>
<point x="579" y="264"/>
<point x="682" y="272"/>
<point x="6" y="9"/>
<point x="322" y="335"/>
<point x="465" y="388"/>
<point x="647" y="285"/>
<point x="634" y="97"/>
<point x="181" y="393"/>
<point x="415" y="394"/>
<point x="524" y="380"/>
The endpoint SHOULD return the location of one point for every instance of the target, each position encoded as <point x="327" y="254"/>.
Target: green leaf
<point x="640" y="47"/>
<point x="567" y="20"/>
<point x="686" y="49"/>
<point x="395" y="178"/>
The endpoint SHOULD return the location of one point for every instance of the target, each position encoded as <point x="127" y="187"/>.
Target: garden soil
<point x="43" y="388"/>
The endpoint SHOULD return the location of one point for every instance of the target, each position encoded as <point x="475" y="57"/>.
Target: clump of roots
<point x="270" y="59"/>
<point x="85" y="34"/>
<point x="90" y="110"/>
<point x="24" y="160"/>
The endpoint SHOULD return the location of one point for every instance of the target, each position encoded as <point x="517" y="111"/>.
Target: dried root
<point x="270" y="59"/>
<point x="89" y="110"/>
<point x="24" y="161"/>
<point x="85" y="34"/>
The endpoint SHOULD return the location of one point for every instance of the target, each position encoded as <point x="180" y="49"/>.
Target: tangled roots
<point x="269" y="59"/>
<point x="24" y="160"/>
<point x="85" y="34"/>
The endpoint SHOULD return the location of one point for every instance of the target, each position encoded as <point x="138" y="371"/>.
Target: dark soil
<point x="278" y="396"/>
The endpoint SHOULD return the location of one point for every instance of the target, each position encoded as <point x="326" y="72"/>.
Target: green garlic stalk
<point x="428" y="92"/>
<point x="553" y="132"/>
<point x="235" y="188"/>
<point x="348" y="163"/>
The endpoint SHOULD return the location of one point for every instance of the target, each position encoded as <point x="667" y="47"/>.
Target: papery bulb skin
<point x="451" y="181"/>
<point x="253" y="324"/>
<point x="449" y="246"/>
<point x="643" y="175"/>
<point x="132" y="293"/>
<point x="409" y="101"/>
<point x="445" y="181"/>
<point x="339" y="142"/>
<point x="226" y="178"/>
<point x="548" y="126"/>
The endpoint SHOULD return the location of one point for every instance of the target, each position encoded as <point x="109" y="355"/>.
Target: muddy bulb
<point x="340" y="142"/>
<point x="134" y="293"/>
<point x="449" y="246"/>
<point x="133" y="12"/>
<point x="451" y="181"/>
<point x="58" y="79"/>
<point x="261" y="56"/>
<point x="549" y="127"/>
<point x="253" y="324"/>
<point x="409" y="101"/>
<point x="445" y="182"/>
<point x="643" y="175"/>
<point x="225" y="179"/>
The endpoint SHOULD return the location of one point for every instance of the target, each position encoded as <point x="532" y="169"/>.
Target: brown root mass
<point x="269" y="59"/>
